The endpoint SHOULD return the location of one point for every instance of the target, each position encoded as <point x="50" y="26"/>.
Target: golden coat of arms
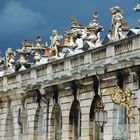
<point x="120" y="97"/>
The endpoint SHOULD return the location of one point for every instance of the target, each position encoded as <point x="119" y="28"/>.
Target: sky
<point x="26" y="19"/>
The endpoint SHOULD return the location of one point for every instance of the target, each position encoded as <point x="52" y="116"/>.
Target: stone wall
<point x="57" y="100"/>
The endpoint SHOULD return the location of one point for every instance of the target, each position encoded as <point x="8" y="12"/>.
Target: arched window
<point x="56" y="123"/>
<point x="24" y="130"/>
<point x="24" y="121"/>
<point x="120" y="125"/>
<point x="9" y="128"/>
<point x="75" y="120"/>
<point x="38" y="124"/>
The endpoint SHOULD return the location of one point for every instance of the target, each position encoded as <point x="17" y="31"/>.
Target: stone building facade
<point x="56" y="101"/>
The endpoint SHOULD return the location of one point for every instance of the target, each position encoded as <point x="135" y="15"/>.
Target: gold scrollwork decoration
<point x="120" y="97"/>
<point x="99" y="105"/>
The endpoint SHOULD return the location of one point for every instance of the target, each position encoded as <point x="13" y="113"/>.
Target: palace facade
<point x="57" y="100"/>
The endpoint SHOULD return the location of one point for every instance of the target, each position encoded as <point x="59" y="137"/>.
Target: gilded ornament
<point x="120" y="97"/>
<point x="100" y="105"/>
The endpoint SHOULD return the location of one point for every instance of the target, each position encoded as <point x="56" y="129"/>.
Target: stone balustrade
<point x="110" y="56"/>
<point x="123" y="48"/>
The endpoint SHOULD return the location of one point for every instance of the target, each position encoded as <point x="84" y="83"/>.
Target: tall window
<point x="120" y="125"/>
<point x="77" y="125"/>
<point x="24" y="124"/>
<point x="38" y="124"/>
<point x="75" y="120"/>
<point x="56" y="122"/>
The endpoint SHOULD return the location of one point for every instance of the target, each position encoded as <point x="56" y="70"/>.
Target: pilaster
<point x="108" y="80"/>
<point x="66" y="103"/>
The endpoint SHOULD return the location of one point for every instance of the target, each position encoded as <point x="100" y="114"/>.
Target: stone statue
<point x="55" y="45"/>
<point x="137" y="9"/>
<point x="10" y="59"/>
<point x="116" y="28"/>
<point x="93" y="30"/>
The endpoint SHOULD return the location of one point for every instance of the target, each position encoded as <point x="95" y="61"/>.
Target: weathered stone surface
<point x="69" y="83"/>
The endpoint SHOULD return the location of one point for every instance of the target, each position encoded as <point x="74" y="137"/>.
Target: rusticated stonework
<point x="56" y="101"/>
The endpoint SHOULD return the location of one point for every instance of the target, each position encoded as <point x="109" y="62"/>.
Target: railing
<point x="25" y="76"/>
<point x="72" y="64"/>
<point x="57" y="67"/>
<point x="99" y="55"/>
<point x="41" y="71"/>
<point x="123" y="48"/>
<point x="77" y="61"/>
<point x="11" y="79"/>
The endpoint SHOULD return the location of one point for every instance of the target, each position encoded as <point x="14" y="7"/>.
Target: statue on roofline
<point x="116" y="27"/>
<point x="55" y="45"/>
<point x="10" y="60"/>
<point x="137" y="9"/>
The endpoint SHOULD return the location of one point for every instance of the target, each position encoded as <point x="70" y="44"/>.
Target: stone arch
<point x="56" y="123"/>
<point x="38" y="123"/>
<point x="9" y="126"/>
<point x="75" y="120"/>
<point x="94" y="129"/>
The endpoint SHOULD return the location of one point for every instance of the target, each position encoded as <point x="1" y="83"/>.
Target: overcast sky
<point x="25" y="19"/>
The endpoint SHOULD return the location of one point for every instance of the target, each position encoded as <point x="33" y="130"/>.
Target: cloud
<point x="16" y="19"/>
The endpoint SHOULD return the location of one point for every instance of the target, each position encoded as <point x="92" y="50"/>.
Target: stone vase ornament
<point x="23" y="53"/>
<point x="93" y="32"/>
<point x="37" y="55"/>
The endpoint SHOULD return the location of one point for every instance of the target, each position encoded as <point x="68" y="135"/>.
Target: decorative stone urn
<point x="23" y="53"/>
